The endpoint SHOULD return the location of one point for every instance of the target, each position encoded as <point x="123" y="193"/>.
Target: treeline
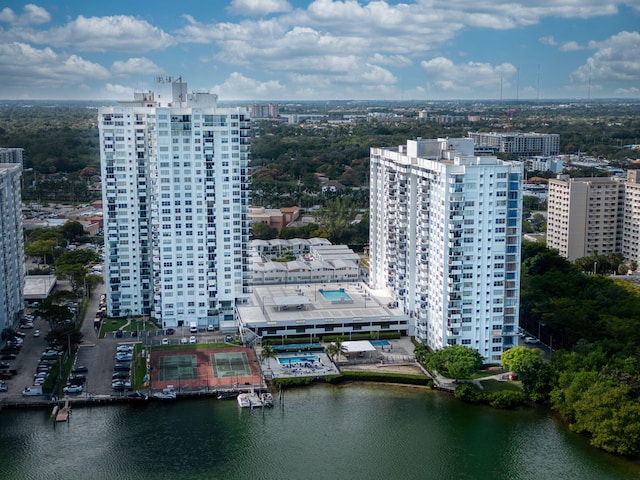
<point x="593" y="381"/>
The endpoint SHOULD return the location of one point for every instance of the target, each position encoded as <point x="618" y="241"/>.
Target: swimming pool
<point x="335" y="295"/>
<point x="379" y="343"/>
<point x="302" y="359"/>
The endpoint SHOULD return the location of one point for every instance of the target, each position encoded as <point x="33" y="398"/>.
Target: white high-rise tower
<point x="175" y="196"/>
<point x="12" y="269"/>
<point x="445" y="239"/>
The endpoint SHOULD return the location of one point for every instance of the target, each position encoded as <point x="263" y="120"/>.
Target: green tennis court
<point x="230" y="364"/>
<point x="178" y="367"/>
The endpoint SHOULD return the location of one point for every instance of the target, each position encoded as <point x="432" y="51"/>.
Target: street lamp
<point x="595" y="266"/>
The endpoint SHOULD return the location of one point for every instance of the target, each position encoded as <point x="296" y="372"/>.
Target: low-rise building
<point x="284" y="311"/>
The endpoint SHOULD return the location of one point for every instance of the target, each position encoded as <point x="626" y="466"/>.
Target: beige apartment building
<point x="585" y="215"/>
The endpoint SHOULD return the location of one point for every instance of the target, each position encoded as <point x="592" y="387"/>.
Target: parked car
<point x="124" y="348"/>
<point x="120" y="376"/>
<point x="20" y="334"/>
<point x="79" y="369"/>
<point x="170" y="331"/>
<point x="26" y="326"/>
<point x="531" y="340"/>
<point x="210" y="328"/>
<point x="4" y="387"/>
<point x="122" y="367"/>
<point x="192" y="339"/>
<point x="72" y="389"/>
<point x="165" y="341"/>
<point x="119" y="333"/>
<point x="39" y="380"/>
<point x="8" y="356"/>
<point x="36" y="333"/>
<point x="5" y="365"/>
<point x="184" y="340"/>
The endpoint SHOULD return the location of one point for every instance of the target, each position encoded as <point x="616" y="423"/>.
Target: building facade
<point x="445" y="239"/>
<point x="12" y="269"/>
<point x="12" y="155"/>
<point x="175" y="199"/>
<point x="522" y="144"/>
<point x="585" y="215"/>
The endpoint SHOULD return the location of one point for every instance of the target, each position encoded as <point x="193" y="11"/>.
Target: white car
<point x="210" y="328"/>
<point x="531" y="340"/>
<point x="36" y="333"/>
<point x="165" y="341"/>
<point x="192" y="339"/>
<point x="184" y="340"/>
<point x="72" y="389"/>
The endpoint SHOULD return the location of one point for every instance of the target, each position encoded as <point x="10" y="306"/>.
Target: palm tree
<point x="268" y="353"/>
<point x="338" y="344"/>
<point x="331" y="350"/>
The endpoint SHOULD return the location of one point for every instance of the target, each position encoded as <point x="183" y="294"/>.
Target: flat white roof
<point x="38" y="287"/>
<point x="357" y="346"/>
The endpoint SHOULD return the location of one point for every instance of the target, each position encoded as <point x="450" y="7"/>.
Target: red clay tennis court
<point x="208" y="368"/>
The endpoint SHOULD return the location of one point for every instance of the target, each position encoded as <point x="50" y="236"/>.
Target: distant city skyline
<point x="279" y="50"/>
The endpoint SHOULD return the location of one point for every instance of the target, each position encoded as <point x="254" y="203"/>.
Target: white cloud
<point x="33" y="15"/>
<point x="115" y="91"/>
<point x="134" y="66"/>
<point x="22" y="65"/>
<point x="258" y="7"/>
<point x="239" y="87"/>
<point x="466" y="77"/>
<point x="99" y="34"/>
<point x="616" y="60"/>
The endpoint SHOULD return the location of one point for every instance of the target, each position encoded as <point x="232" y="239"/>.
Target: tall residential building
<point x="12" y="155"/>
<point x="12" y="269"/>
<point x="522" y="144"/>
<point x="584" y="215"/>
<point x="175" y="198"/>
<point x="445" y="239"/>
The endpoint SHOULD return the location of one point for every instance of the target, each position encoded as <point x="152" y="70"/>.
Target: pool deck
<point x="275" y="369"/>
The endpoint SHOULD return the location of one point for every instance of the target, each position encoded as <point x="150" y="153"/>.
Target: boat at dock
<point x="223" y="395"/>
<point x="137" y="397"/>
<point x="168" y="393"/>
<point x="267" y="399"/>
<point x="244" y="400"/>
<point x="251" y="400"/>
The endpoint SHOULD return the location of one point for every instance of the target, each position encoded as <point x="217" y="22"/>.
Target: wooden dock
<point x="62" y="415"/>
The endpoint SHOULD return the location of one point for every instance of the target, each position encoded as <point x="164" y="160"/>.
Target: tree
<point x="41" y="248"/>
<point x="74" y="272"/>
<point x="516" y="359"/>
<point x="72" y="230"/>
<point x="54" y="314"/>
<point x="268" y="353"/>
<point x="8" y="334"/>
<point x="262" y="231"/>
<point x="457" y="361"/>
<point x="64" y="336"/>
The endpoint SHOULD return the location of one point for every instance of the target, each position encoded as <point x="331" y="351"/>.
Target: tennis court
<point x="230" y="364"/>
<point x="204" y="368"/>
<point x="179" y="367"/>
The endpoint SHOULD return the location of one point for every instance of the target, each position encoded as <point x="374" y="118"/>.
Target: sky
<point x="283" y="50"/>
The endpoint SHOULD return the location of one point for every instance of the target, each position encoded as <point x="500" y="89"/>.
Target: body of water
<point x="322" y="432"/>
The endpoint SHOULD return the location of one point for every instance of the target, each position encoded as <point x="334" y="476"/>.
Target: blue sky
<point x="323" y="49"/>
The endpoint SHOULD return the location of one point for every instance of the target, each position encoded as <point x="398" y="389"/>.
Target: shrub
<point x="468" y="392"/>
<point x="505" y="399"/>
